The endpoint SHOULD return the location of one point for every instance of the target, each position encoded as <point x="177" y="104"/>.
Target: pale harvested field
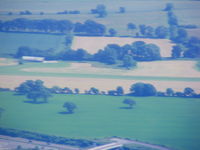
<point x="93" y="44"/>
<point x="155" y="68"/>
<point x="7" y="81"/>
<point x="7" y="62"/>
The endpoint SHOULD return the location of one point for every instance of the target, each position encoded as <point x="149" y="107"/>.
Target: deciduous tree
<point x="70" y="107"/>
<point x="129" y="102"/>
<point x="169" y="92"/>
<point x="34" y="90"/>
<point x="143" y="89"/>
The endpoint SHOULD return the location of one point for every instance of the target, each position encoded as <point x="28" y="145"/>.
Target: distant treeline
<point x="89" y="27"/>
<point x="100" y="10"/>
<point x="47" y="138"/>
<point x="27" y="12"/>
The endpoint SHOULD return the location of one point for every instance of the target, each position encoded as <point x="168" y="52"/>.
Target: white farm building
<point x="35" y="59"/>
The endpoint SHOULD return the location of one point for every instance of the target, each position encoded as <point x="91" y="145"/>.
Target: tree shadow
<point x="64" y="112"/>
<point x="32" y="102"/>
<point x="125" y="107"/>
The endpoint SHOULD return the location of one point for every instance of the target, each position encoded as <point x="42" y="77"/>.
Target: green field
<point x="173" y="122"/>
<point x="10" y="42"/>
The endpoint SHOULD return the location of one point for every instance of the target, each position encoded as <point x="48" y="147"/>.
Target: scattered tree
<point x="34" y="90"/>
<point x="70" y="107"/>
<point x="129" y="102"/>
<point x="100" y="10"/>
<point x="122" y="10"/>
<point x="169" y="7"/>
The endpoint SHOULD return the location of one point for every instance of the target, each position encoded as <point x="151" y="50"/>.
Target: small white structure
<point x="107" y="146"/>
<point x="35" y="59"/>
<point x="51" y="62"/>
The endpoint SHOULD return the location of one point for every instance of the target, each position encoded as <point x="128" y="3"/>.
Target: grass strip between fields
<point x="16" y="71"/>
<point x="75" y="75"/>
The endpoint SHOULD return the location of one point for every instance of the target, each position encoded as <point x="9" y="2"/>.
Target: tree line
<point x="126" y="56"/>
<point x="37" y="92"/>
<point x="89" y="27"/>
<point x="147" y="31"/>
<point x="188" y="47"/>
<point x="139" y="51"/>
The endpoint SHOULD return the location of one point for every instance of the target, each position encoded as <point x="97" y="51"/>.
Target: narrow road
<point x="125" y="141"/>
<point x="107" y="146"/>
